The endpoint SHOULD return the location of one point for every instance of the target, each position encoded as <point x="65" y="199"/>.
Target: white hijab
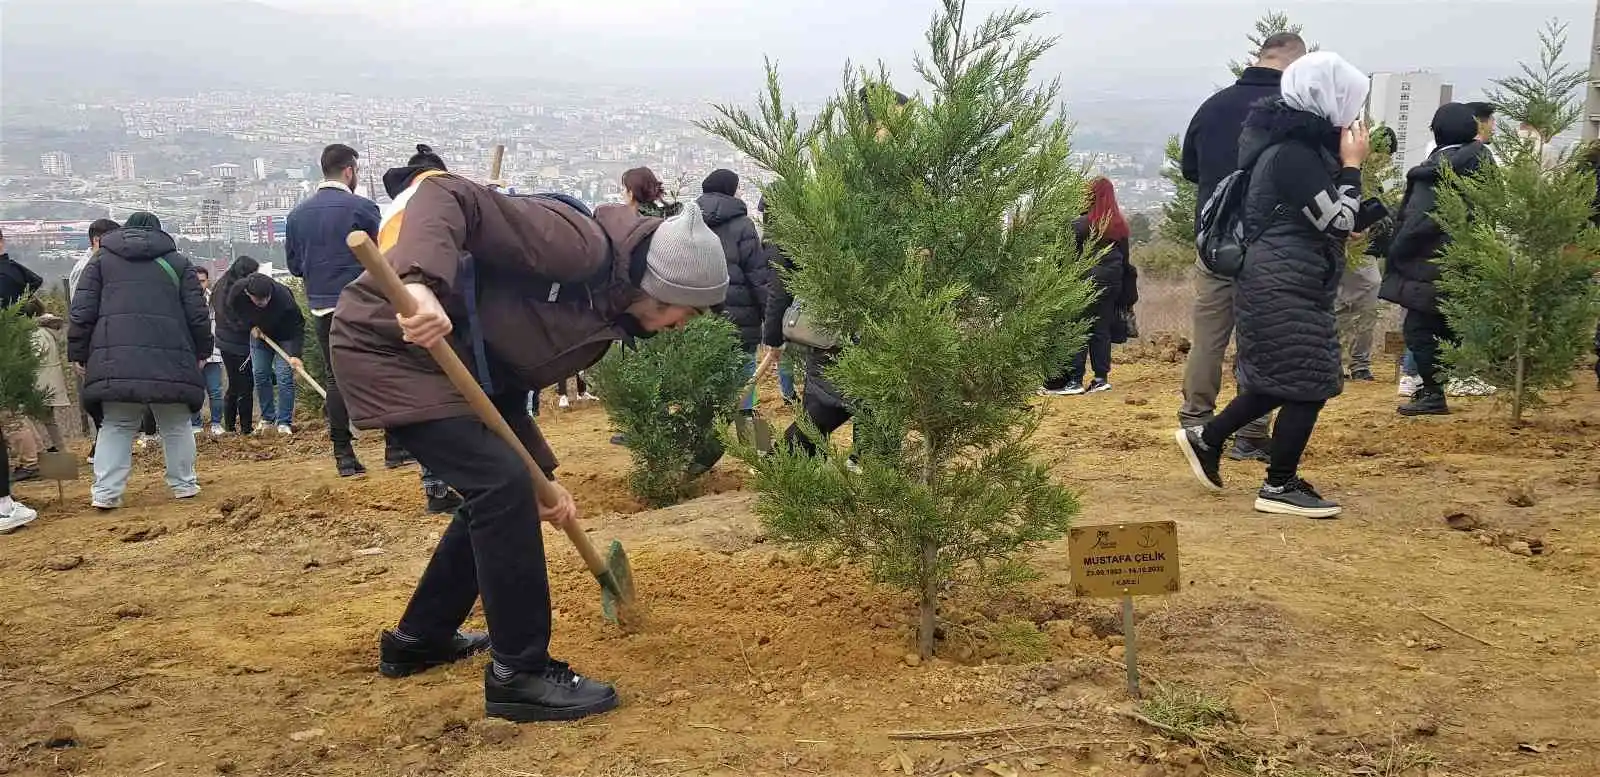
<point x="1324" y="84"/>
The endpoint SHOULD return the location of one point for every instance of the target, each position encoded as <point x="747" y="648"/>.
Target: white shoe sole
<point x="11" y="523"/>
<point x="1281" y="508"/>
<point x="1195" y="467"/>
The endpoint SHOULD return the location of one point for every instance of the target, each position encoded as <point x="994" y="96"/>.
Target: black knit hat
<point x="143" y="219"/>
<point x="721" y="181"/>
<point x="1454" y="124"/>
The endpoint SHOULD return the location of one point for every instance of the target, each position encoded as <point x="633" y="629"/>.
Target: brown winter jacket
<point x="519" y="245"/>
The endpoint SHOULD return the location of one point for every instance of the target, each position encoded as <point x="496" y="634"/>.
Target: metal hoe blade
<point x="616" y="586"/>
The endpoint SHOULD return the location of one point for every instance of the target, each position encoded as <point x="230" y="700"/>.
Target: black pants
<point x="333" y="407"/>
<point x="494" y="545"/>
<point x="1424" y="332"/>
<point x="824" y="416"/>
<point x="238" y="405"/>
<point x="1289" y="435"/>
<point x="1098" y="349"/>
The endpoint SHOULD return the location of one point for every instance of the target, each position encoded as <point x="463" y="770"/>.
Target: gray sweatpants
<point x="1212" y="331"/>
<point x="1357" y="308"/>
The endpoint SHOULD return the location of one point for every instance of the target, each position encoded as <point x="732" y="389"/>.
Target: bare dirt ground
<point x="237" y="633"/>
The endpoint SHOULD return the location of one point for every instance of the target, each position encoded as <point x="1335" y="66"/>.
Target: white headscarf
<point x="1323" y="83"/>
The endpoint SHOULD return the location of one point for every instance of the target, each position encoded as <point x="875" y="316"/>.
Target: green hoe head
<point x="617" y="601"/>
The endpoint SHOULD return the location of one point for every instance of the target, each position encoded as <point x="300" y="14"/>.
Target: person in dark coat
<point x="1102" y="228"/>
<point x="141" y="330"/>
<point x="1210" y="154"/>
<point x="749" y="273"/>
<point x="1412" y="276"/>
<point x="16" y="281"/>
<point x="270" y="309"/>
<point x="233" y="340"/>
<point x="1305" y="152"/>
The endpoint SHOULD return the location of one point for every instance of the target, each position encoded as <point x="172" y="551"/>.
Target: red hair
<point x="1104" y="215"/>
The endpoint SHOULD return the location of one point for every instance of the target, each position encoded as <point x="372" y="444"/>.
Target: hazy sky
<point x="1169" y="47"/>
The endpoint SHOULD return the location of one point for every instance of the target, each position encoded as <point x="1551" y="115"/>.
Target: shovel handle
<point x="301" y="371"/>
<point x="496" y="161"/>
<point x="372" y="259"/>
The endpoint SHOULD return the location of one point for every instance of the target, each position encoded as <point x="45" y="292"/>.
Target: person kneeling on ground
<point x="141" y="331"/>
<point x="480" y="266"/>
<point x="1305" y="152"/>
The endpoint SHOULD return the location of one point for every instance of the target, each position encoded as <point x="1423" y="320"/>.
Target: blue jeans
<point x="748" y="401"/>
<point x="212" y="372"/>
<point x="269" y="366"/>
<point x="1408" y="365"/>
<point x="786" y="380"/>
<point x="113" y="450"/>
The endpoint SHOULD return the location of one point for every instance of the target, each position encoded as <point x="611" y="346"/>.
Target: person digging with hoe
<point x="528" y="290"/>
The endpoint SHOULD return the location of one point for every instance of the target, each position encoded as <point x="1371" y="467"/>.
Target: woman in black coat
<point x="1100" y="229"/>
<point x="233" y="340"/>
<point x="1304" y="152"/>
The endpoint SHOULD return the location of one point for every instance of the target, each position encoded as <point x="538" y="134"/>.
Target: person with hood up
<point x="1412" y="276"/>
<point x="1100" y="229"/>
<point x="529" y="290"/>
<point x="270" y="309"/>
<point x="141" y="330"/>
<point x="749" y="274"/>
<point x="642" y="190"/>
<point x="1304" y="152"/>
<point x="233" y="341"/>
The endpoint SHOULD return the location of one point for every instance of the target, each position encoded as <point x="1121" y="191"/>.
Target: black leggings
<point x="1289" y="435"/>
<point x="238" y="408"/>
<point x="824" y="416"/>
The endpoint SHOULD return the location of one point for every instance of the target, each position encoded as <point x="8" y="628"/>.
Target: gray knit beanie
<point x="685" y="264"/>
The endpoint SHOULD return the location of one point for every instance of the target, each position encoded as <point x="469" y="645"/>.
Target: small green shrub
<point x="670" y="396"/>
<point x="19" y="366"/>
<point x="305" y="396"/>
<point x="1164" y="259"/>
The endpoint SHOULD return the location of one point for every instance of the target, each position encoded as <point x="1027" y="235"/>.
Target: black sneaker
<point x="1097" y="385"/>
<point x="557" y="693"/>
<point x="1296" y="497"/>
<point x="399" y="659"/>
<point x="349" y="466"/>
<point x="444" y="502"/>
<point x="1363" y="374"/>
<point x="395" y="458"/>
<point x="1204" y="461"/>
<point x="1425" y="402"/>
<point x="22" y="474"/>
<point x="1251" y="449"/>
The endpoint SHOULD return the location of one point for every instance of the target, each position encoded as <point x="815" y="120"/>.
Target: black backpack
<point x="1219" y="231"/>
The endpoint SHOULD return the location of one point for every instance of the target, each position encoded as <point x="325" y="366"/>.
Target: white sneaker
<point x="197" y="430"/>
<point x="562" y="402"/>
<point x="1409" y="384"/>
<point x="20" y="515"/>
<point x="186" y="493"/>
<point x="587" y="397"/>
<point x="216" y="430"/>
<point x="285" y="429"/>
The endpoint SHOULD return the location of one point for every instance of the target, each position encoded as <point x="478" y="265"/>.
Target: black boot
<point x="400" y="659"/>
<point x="395" y="457"/>
<point x="1426" y="402"/>
<point x="557" y="693"/>
<point x="349" y="466"/>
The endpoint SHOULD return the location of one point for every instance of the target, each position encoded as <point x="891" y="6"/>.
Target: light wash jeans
<point x="268" y="366"/>
<point x="212" y="373"/>
<point x="786" y="380"/>
<point x="113" y="451"/>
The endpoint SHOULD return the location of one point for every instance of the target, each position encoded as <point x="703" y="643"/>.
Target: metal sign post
<point x="1123" y="561"/>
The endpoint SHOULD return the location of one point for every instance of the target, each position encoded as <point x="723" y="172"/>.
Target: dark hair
<point x="1287" y="42"/>
<point x="337" y="158"/>
<point x="1482" y="111"/>
<point x="642" y="183"/>
<point x="866" y="102"/>
<point x="244" y="266"/>
<point x="102" y="227"/>
<point x="258" y="285"/>
<point x="425" y="157"/>
<point x="201" y="269"/>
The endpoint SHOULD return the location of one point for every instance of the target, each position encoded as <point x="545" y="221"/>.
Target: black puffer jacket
<point x="140" y="332"/>
<point x="749" y="274"/>
<point x="818" y="387"/>
<point x="1410" y="276"/>
<point x="233" y="333"/>
<point x="1304" y="206"/>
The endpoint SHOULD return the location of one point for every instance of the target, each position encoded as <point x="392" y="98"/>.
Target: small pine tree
<point x="1518" y="276"/>
<point x="1177" y="214"/>
<point x="669" y="397"/>
<point x="19" y="366"/>
<point x="1543" y="96"/>
<point x="939" y="235"/>
<point x="1382" y="178"/>
<point x="1271" y="23"/>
